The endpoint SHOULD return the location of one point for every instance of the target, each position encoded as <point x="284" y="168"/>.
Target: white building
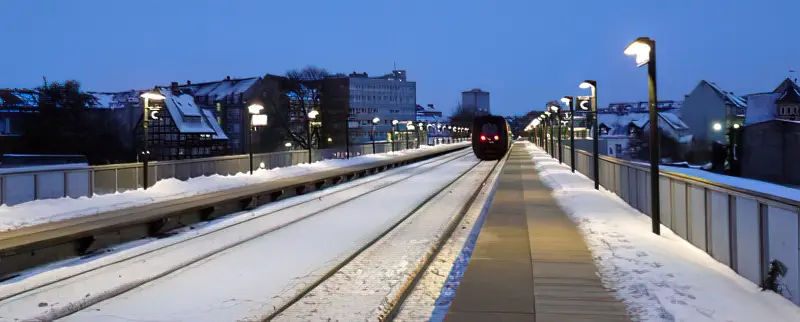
<point x="388" y="97"/>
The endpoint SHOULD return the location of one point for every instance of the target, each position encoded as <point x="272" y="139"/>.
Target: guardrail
<point x="743" y="229"/>
<point x="20" y="185"/>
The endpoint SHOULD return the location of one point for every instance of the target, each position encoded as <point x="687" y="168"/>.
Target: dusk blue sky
<point x="524" y="52"/>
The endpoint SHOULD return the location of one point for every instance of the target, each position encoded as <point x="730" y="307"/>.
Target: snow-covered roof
<point x="19" y="97"/>
<point x="729" y="97"/>
<point x="674" y="121"/>
<point x="219" y="134"/>
<point x="618" y="124"/>
<point x="185" y="113"/>
<point x="222" y="90"/>
<point x="761" y="107"/>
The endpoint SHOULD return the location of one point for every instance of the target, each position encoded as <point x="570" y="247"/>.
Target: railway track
<point x="313" y="303"/>
<point x="24" y="294"/>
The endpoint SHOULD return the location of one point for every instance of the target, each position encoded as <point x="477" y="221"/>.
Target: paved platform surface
<point x="530" y="262"/>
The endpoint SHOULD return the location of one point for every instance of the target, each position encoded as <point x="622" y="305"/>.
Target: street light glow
<point x="586" y="85"/>
<point x="376" y="120"/>
<point x="736" y="126"/>
<point x="255" y="108"/>
<point x="565" y="100"/>
<point x="259" y="120"/>
<point x="394" y="122"/>
<point x="330" y="140"/>
<point x="288" y="144"/>
<point x="640" y="48"/>
<point x="313" y="114"/>
<point x="154" y="96"/>
<point x="717" y="127"/>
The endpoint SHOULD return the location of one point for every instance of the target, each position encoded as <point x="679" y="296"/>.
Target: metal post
<point x="308" y="137"/>
<point x="250" y="145"/>
<point x="572" y="133"/>
<point x="655" y="154"/>
<point x="146" y="153"/>
<point x="406" y="135"/>
<point x="552" y="137"/>
<point x="347" y="138"/>
<point x="372" y="135"/>
<point x="596" y="139"/>
<point x="560" y="151"/>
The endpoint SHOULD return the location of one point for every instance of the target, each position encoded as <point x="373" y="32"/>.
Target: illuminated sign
<point x="154" y="112"/>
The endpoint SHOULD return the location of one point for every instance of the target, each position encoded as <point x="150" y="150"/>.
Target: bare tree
<point x="462" y="116"/>
<point x="289" y="101"/>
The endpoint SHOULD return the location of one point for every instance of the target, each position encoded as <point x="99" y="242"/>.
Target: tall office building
<point x="476" y="100"/>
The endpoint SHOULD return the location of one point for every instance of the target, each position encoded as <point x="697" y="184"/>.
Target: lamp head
<point x="640" y="48"/>
<point x="588" y="84"/>
<point x="394" y="122"/>
<point x="313" y="114"/>
<point x="255" y="108"/>
<point x="376" y="120"/>
<point x="566" y="100"/>
<point x="153" y="95"/>
<point x="717" y="127"/>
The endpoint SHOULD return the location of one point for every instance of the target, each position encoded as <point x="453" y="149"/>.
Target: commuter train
<point x="491" y="137"/>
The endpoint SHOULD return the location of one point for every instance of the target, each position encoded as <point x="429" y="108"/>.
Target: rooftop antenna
<point x="395" y="65"/>
<point x="45" y="81"/>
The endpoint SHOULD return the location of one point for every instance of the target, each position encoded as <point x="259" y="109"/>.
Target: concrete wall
<point x="770" y="152"/>
<point x="701" y="109"/>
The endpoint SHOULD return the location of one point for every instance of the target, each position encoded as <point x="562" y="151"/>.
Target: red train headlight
<point x="483" y="138"/>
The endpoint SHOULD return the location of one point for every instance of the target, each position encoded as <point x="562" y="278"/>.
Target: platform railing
<point x="741" y="228"/>
<point x="21" y="185"/>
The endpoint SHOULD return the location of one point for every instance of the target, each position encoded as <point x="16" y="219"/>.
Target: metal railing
<point x="19" y="186"/>
<point x="743" y="229"/>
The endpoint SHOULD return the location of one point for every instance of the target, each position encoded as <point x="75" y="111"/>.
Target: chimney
<point x="174" y="86"/>
<point x="227" y="78"/>
<point x="188" y="82"/>
<point x="430" y="105"/>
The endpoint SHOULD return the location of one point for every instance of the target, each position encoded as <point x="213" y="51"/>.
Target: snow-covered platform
<point x="658" y="277"/>
<point x="530" y="261"/>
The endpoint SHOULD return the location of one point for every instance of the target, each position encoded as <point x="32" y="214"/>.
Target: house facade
<point x="769" y="151"/>
<point x="707" y="106"/>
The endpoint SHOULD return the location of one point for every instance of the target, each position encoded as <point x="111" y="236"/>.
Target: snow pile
<point x="51" y="210"/>
<point x="660" y="278"/>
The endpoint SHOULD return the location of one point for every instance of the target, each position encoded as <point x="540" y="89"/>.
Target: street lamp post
<point x="644" y="49"/>
<point x="591" y="84"/>
<point x="556" y="110"/>
<point x="254" y="110"/>
<point x="153" y="95"/>
<point x="311" y="116"/>
<point x="394" y="136"/>
<point x="375" y="122"/>
<point x="420" y="126"/>
<point x="570" y="102"/>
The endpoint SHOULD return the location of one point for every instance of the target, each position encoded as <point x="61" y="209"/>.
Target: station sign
<point x="584" y="103"/>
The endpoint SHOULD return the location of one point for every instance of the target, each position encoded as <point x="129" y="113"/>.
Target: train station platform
<point x="530" y="262"/>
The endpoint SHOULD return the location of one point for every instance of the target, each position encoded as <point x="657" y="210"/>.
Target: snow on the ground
<point x="259" y="269"/>
<point x="432" y="296"/>
<point x="50" y="210"/>
<point x="660" y="278"/>
<point x="367" y="288"/>
<point x="68" y="288"/>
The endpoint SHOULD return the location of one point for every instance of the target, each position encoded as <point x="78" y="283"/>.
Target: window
<point x="489" y="129"/>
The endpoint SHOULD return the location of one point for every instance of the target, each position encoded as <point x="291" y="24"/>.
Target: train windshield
<point x="490" y="129"/>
